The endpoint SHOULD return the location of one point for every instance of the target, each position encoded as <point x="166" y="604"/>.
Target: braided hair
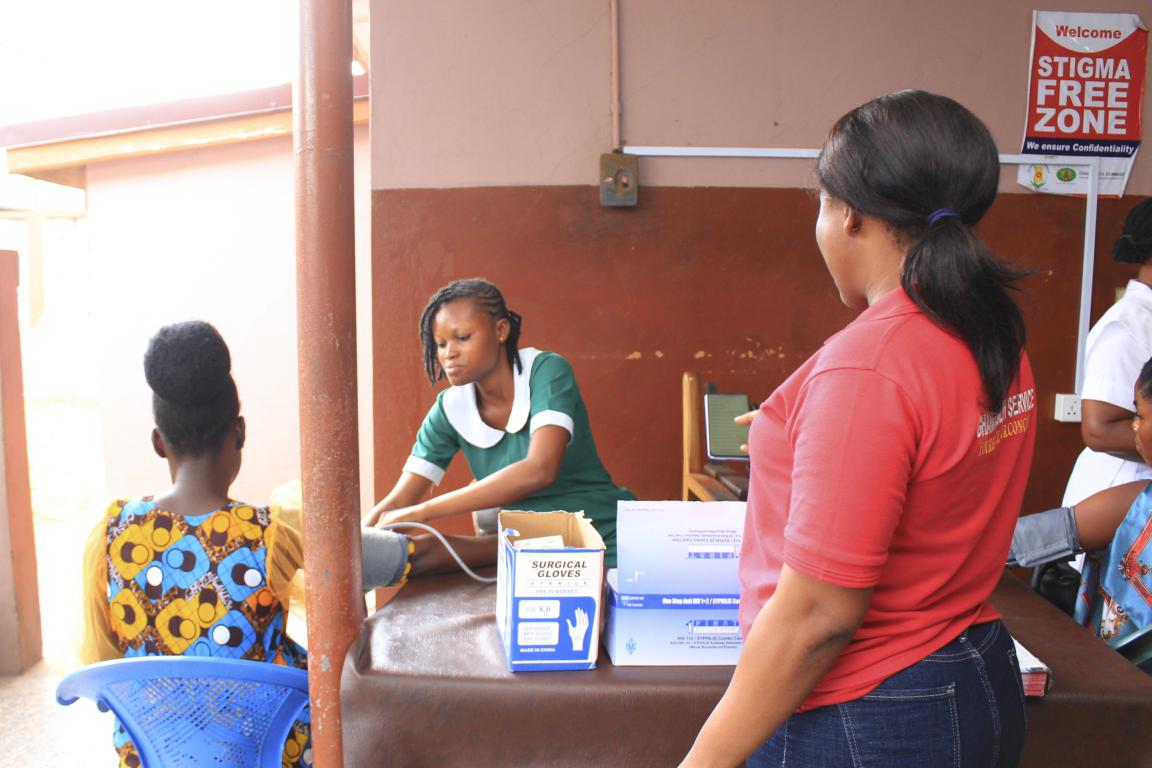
<point x="489" y="299"/>
<point x="194" y="399"/>
<point x="1135" y="245"/>
<point x="1144" y="381"/>
<point x="906" y="158"/>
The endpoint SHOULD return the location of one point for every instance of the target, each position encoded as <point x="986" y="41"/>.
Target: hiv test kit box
<point x="671" y="630"/>
<point x="549" y="585"/>
<point x="674" y="598"/>
<point x="673" y="547"/>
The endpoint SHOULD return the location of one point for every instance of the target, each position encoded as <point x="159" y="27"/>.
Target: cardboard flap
<point x="576" y="529"/>
<point x="548" y="598"/>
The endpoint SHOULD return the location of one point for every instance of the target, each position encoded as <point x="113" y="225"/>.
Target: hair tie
<point x="942" y="213"/>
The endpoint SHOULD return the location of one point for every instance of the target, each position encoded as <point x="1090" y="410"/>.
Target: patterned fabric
<point x="181" y="585"/>
<point x="1115" y="597"/>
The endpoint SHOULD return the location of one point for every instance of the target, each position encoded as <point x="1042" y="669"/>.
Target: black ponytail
<point x="488" y="297"/>
<point x="912" y="157"/>
<point x="1135" y="245"/>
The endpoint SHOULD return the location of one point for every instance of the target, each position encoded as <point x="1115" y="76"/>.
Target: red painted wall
<point x="724" y="281"/>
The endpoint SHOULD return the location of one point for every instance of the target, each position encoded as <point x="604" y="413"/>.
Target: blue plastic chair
<point x="193" y="711"/>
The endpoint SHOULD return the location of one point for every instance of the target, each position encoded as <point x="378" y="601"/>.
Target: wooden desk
<point x="702" y="486"/>
<point x="1100" y="706"/>
<point x="425" y="684"/>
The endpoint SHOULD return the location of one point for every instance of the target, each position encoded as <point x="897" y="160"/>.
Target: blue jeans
<point x="960" y="707"/>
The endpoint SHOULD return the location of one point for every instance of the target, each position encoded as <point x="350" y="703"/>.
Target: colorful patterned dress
<point x="181" y="585"/>
<point x="1115" y="597"/>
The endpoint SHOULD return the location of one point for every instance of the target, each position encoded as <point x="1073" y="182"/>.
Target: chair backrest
<point x="189" y="711"/>
<point x="1137" y="648"/>
<point x="692" y="435"/>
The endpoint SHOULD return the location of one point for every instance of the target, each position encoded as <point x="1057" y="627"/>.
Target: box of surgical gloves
<point x="549" y="584"/>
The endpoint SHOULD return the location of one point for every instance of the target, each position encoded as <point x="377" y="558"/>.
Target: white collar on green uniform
<point x="460" y="406"/>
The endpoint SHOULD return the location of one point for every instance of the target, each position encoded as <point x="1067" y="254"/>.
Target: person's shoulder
<point x="241" y="504"/>
<point x="443" y="398"/>
<point x="905" y="347"/>
<point x="868" y="341"/>
<point x="543" y="361"/>
<point x="130" y="506"/>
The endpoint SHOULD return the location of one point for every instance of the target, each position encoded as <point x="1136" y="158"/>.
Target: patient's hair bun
<point x="188" y="363"/>
<point x="194" y="398"/>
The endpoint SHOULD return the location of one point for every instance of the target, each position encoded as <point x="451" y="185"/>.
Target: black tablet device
<point x="722" y="435"/>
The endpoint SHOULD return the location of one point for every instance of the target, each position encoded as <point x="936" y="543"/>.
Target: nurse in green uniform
<point x="516" y="414"/>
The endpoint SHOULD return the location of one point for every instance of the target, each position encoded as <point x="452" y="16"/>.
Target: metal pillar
<point x="326" y="326"/>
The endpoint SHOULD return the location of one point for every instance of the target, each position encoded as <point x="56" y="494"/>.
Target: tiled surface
<point x="42" y="734"/>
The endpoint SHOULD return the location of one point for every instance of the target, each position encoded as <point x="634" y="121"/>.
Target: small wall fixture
<point x="619" y="179"/>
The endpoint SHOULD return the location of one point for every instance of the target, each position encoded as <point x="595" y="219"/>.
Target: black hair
<point x="489" y="299"/>
<point x="1135" y="245"/>
<point x="1144" y="381"/>
<point x="194" y="398"/>
<point x="903" y="157"/>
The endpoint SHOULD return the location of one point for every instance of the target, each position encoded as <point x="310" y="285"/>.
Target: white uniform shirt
<point x="1117" y="348"/>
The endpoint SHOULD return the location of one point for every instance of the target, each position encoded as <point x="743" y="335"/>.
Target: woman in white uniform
<point x="1118" y="346"/>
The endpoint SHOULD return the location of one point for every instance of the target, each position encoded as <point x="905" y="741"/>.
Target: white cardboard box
<point x="548" y="600"/>
<point x="679" y="547"/>
<point x="671" y="630"/>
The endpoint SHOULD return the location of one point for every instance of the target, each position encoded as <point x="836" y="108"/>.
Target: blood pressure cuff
<point x="1045" y="537"/>
<point x="386" y="556"/>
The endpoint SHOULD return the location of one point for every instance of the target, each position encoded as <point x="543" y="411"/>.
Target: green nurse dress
<point x="545" y="394"/>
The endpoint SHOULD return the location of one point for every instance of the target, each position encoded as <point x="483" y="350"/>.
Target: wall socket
<point x="619" y="179"/>
<point x="1068" y="408"/>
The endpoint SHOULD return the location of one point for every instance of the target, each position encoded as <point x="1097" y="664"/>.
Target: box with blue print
<point x="549" y="582"/>
<point x="675" y="597"/>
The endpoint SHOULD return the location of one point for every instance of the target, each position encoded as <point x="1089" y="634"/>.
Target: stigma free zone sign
<point x="1085" y="91"/>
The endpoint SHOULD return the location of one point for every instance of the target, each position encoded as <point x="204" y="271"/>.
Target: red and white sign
<point x="1085" y="93"/>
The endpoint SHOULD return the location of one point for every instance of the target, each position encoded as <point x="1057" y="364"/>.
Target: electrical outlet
<point x="619" y="179"/>
<point x="1068" y="408"/>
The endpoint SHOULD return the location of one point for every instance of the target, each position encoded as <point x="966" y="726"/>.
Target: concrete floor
<point x="57" y="736"/>
<point x="42" y="734"/>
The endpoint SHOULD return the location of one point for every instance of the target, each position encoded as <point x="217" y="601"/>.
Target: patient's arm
<point x="1099" y="515"/>
<point x="1057" y="534"/>
<point x="431" y="557"/>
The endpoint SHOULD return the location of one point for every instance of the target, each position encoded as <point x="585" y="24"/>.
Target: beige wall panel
<point x="509" y="93"/>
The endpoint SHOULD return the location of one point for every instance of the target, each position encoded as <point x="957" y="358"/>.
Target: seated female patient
<point x="193" y="572"/>
<point x="519" y="419"/>
<point x="1114" y="526"/>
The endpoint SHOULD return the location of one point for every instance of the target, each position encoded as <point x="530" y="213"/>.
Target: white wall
<point x="208" y="234"/>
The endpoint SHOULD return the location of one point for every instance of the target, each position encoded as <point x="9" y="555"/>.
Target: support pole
<point x="20" y="642"/>
<point x="326" y="328"/>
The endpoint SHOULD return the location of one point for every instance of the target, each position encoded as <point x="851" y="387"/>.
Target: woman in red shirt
<point x="887" y="474"/>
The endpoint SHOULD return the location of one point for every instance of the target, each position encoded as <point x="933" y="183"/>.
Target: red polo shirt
<point x="875" y="465"/>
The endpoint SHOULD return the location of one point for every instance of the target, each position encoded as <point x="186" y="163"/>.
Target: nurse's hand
<point x="747" y="418"/>
<point x="413" y="514"/>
